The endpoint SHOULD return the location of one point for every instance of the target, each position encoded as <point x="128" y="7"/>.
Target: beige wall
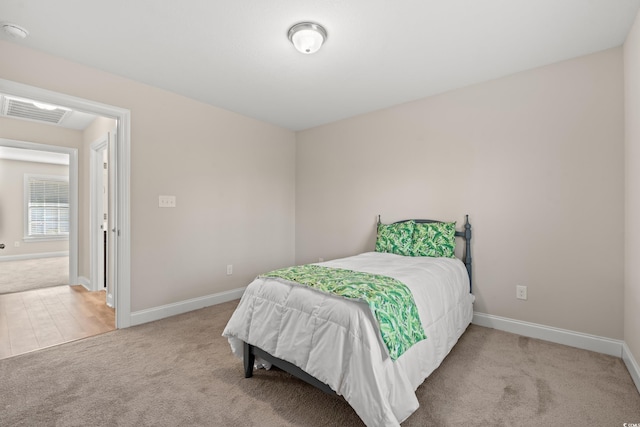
<point x="233" y="178"/>
<point x="12" y="207"/>
<point x="535" y="159"/>
<point x="26" y="131"/>
<point x="632" y="193"/>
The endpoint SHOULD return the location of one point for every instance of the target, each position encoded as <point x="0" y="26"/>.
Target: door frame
<point x="96" y="181"/>
<point x="98" y="206"/>
<point x="122" y="170"/>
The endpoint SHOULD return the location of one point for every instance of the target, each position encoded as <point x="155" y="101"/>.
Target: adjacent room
<point x="252" y="138"/>
<point x="42" y="303"/>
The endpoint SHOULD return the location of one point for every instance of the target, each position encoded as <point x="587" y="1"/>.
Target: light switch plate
<point x="167" y="201"/>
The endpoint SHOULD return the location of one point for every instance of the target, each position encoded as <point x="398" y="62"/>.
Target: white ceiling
<point x="379" y="53"/>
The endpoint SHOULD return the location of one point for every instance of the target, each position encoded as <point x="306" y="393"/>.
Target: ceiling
<point x="379" y="53"/>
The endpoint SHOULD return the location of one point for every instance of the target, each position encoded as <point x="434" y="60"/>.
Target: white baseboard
<point x="157" y="313"/>
<point x="632" y="365"/>
<point x="85" y="282"/>
<point x="548" y="333"/>
<point x="33" y="256"/>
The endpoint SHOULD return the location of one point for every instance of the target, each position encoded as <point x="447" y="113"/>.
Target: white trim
<point x="560" y="336"/>
<point x="33" y="256"/>
<point x="52" y="238"/>
<point x="632" y="365"/>
<point x="12" y="153"/>
<point x="157" y="313"/>
<point x="95" y="196"/>
<point x="73" y="216"/>
<point x="85" y="282"/>
<point x="122" y="170"/>
<point x="123" y="242"/>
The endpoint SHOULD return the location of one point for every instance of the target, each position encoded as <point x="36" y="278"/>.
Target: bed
<point x="338" y="344"/>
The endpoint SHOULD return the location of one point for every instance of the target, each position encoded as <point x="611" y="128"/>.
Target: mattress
<point x="337" y="340"/>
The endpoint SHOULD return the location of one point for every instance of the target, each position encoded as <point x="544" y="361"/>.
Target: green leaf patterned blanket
<point x="390" y="300"/>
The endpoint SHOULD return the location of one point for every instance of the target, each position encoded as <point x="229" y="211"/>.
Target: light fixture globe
<point x="307" y="37"/>
<point x="14" y="31"/>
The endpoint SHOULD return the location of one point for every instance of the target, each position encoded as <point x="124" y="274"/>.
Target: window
<point x="47" y="207"/>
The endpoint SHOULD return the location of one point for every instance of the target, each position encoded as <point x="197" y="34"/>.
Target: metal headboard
<point x="465" y="234"/>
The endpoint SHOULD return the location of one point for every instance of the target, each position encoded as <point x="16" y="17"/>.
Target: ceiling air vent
<point x="30" y="110"/>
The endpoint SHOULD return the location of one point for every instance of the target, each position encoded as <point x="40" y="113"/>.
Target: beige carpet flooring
<point x="29" y="274"/>
<point x="180" y="372"/>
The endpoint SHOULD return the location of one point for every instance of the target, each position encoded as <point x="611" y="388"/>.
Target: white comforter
<point x="337" y="341"/>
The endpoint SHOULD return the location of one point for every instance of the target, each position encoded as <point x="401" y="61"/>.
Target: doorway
<point x="37" y="150"/>
<point x="102" y="213"/>
<point x="121" y="190"/>
<point x="40" y="304"/>
<point x="34" y="224"/>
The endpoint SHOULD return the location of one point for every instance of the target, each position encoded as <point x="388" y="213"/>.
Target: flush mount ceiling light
<point x="14" y="31"/>
<point x="307" y="37"/>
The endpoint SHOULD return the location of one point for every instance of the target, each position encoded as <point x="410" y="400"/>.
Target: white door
<point x="99" y="212"/>
<point x="103" y="229"/>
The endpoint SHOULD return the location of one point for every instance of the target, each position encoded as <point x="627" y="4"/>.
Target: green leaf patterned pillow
<point x="395" y="238"/>
<point x="434" y="239"/>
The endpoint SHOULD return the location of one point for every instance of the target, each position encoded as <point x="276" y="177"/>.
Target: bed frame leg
<point x="248" y="359"/>
<point x="467" y="251"/>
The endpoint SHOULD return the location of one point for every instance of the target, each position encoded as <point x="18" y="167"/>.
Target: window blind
<point x="48" y="207"/>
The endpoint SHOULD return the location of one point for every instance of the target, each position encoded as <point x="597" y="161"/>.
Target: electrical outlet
<point x="16" y="244"/>
<point x="229" y="270"/>
<point x="320" y="259"/>
<point x="521" y="292"/>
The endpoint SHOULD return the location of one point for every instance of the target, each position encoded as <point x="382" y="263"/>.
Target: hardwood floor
<point x="41" y="318"/>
